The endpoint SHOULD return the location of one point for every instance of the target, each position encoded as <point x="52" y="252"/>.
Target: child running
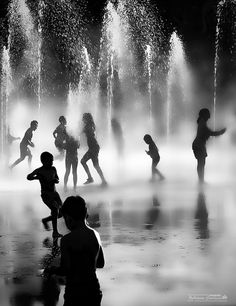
<point x="199" y="143"/>
<point x="47" y="176"/>
<point x="154" y="154"/>
<point x="81" y="254"/>
<point x="25" y="142"/>
<point x="71" y="159"/>
<point x="60" y="136"/>
<point x="93" y="149"/>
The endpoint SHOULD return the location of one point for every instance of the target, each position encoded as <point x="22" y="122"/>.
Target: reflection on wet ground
<point x="164" y="244"/>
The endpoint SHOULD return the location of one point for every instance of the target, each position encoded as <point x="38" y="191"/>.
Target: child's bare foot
<point x="89" y="180"/>
<point x="104" y="184"/>
<point x="56" y="235"/>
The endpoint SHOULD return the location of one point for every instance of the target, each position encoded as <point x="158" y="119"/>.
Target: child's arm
<point x="217" y="133"/>
<point x="30" y="143"/>
<point x="33" y="176"/>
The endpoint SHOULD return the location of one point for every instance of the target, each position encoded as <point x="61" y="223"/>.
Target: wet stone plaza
<point x="165" y="243"/>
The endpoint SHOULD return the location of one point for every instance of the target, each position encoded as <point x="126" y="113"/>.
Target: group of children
<point x="81" y="250"/>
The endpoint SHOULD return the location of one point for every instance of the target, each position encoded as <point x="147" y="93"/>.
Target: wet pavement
<point x="165" y="243"/>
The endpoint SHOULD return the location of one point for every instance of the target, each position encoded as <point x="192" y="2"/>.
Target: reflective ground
<point x="165" y="243"/>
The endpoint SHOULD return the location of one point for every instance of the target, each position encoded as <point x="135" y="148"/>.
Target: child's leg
<point x="160" y="174"/>
<point x="201" y="169"/>
<point x="74" y="171"/>
<point x="29" y="158"/>
<point x="67" y="173"/>
<point x="54" y="214"/>
<point x="154" y="170"/>
<point x="98" y="169"/>
<point x="83" y="161"/>
<point x="19" y="160"/>
<point x="52" y="202"/>
<point x="23" y="154"/>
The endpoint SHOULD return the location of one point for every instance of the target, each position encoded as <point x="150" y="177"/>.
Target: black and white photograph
<point x="117" y="152"/>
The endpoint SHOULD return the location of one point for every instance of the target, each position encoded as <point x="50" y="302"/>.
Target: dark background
<point x="194" y="21"/>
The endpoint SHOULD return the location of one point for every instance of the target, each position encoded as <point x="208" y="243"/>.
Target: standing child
<point x="81" y="254"/>
<point x="60" y="135"/>
<point x="199" y="143"/>
<point x="47" y="176"/>
<point x="93" y="149"/>
<point x="71" y="160"/>
<point x="154" y="154"/>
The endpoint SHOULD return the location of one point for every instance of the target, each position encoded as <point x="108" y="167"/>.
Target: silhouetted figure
<point x="153" y="152"/>
<point x="199" y="143"/>
<point x="93" y="149"/>
<point x="47" y="176"/>
<point x="71" y="159"/>
<point x="25" y="142"/>
<point x="60" y="136"/>
<point x="118" y="136"/>
<point x="81" y="254"/>
<point x="201" y="215"/>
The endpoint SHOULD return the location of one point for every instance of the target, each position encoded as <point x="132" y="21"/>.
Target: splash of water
<point x="216" y="61"/>
<point x="128" y="28"/>
<point x="6" y="86"/>
<point x="178" y="77"/>
<point x="81" y="98"/>
<point x="40" y="16"/>
<point x="148" y="53"/>
<point x="24" y="38"/>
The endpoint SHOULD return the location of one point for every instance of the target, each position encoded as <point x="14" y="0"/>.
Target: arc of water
<point x="110" y="73"/>
<point x="148" y="52"/>
<point x="5" y="92"/>
<point x="216" y="60"/>
<point x="40" y="15"/>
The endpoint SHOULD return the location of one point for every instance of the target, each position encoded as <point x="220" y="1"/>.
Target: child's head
<point x="62" y="120"/>
<point x="46" y="159"/>
<point x="74" y="210"/>
<point x="204" y="113"/>
<point x="88" y="119"/>
<point x="147" y="138"/>
<point x="34" y="125"/>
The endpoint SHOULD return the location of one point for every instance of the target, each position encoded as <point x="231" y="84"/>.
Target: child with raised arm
<point x="199" y="143"/>
<point x="47" y="176"/>
<point x="154" y="154"/>
<point x="81" y="254"/>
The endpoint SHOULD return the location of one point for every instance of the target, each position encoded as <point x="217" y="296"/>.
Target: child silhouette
<point x="47" y="176"/>
<point x="81" y="254"/>
<point x="199" y="143"/>
<point x="153" y="152"/>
